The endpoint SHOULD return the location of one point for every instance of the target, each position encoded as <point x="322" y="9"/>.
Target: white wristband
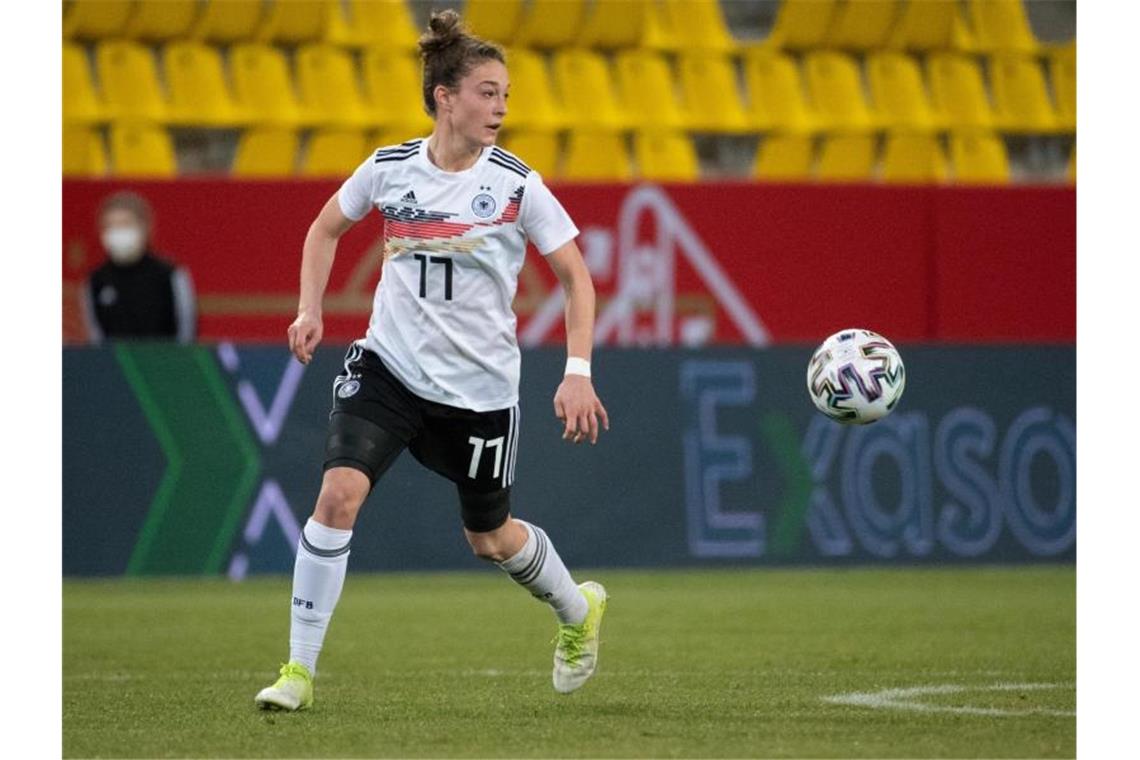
<point x="576" y="365"/>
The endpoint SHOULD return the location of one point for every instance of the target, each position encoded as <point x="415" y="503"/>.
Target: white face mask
<point x="124" y="244"/>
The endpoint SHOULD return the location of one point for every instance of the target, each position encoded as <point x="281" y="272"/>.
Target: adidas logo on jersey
<point x="409" y="197"/>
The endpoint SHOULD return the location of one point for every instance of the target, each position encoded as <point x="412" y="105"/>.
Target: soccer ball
<point x="856" y="377"/>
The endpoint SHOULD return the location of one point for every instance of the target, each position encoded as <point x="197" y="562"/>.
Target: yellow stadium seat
<point x="334" y="153"/>
<point x="139" y="149"/>
<point x="846" y="158"/>
<point x="929" y="25"/>
<point x="83" y="154"/>
<point x="861" y="24"/>
<point x="96" y="19"/>
<point x="665" y="156"/>
<point x="129" y="80"/>
<point x="836" y="91"/>
<point x="393" y="91"/>
<point x="801" y="24"/>
<point x="784" y="158"/>
<point x="539" y="150"/>
<point x="596" y="156"/>
<point x="979" y="158"/>
<point x="910" y="158"/>
<point x="262" y="85"/>
<point x="199" y="94"/>
<point x="1002" y="25"/>
<point x="160" y="21"/>
<point x="1063" y="72"/>
<point x="228" y="21"/>
<point x="897" y="91"/>
<point x="583" y="79"/>
<point x="660" y="32"/>
<point x="645" y="84"/>
<point x="698" y="25"/>
<point x="266" y="152"/>
<point x="386" y="23"/>
<point x="958" y="92"/>
<point x="532" y="104"/>
<point x="712" y="101"/>
<point x="80" y="103"/>
<point x="614" y="24"/>
<point x="1021" y="100"/>
<point x="550" y="23"/>
<point x="379" y="138"/>
<point x="495" y="20"/>
<point x="295" y="22"/>
<point x="327" y="85"/>
<point x="776" y="96"/>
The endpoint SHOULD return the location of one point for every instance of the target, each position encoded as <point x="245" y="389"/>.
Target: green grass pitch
<point x="717" y="663"/>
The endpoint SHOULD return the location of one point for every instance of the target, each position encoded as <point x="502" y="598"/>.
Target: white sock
<point x="318" y="576"/>
<point x="539" y="569"/>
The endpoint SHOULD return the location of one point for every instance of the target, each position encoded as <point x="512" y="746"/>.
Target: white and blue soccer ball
<point x="856" y="377"/>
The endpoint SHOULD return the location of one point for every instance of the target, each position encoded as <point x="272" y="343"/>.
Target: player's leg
<point x="526" y="553"/>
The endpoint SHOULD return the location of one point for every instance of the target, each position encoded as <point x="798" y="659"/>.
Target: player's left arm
<point x="575" y="402"/>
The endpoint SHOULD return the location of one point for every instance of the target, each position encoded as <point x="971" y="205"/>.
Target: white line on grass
<point x="904" y="699"/>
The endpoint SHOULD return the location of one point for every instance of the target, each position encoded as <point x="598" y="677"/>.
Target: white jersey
<point x="454" y="243"/>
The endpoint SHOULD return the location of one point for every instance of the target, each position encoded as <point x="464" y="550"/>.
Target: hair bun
<point x="444" y="30"/>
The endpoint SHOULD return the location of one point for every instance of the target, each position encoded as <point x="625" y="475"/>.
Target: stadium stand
<point x="785" y="158"/>
<point x="266" y="152"/>
<point x="334" y="153"/>
<point x="540" y="148"/>
<point x="80" y="102"/>
<point x="645" y="84"/>
<point x="83" y="152"/>
<point x="550" y="24"/>
<point x="327" y="84"/>
<point x="979" y="158"/>
<point x="596" y="156"/>
<point x="708" y="89"/>
<point x="913" y="158"/>
<point x="657" y="73"/>
<point x="897" y="92"/>
<point x="263" y="87"/>
<point x="582" y="78"/>
<point x="665" y="156"/>
<point x="776" y="95"/>
<point x="846" y="158"/>
<point x="139" y="149"/>
<point x="199" y="94"/>
<point x="836" y="90"/>
<point x="228" y="21"/>
<point x="129" y="81"/>
<point x="860" y="26"/>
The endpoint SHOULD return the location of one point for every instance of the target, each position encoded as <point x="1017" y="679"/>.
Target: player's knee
<point x="340" y="500"/>
<point x="489" y="546"/>
<point x="485" y="522"/>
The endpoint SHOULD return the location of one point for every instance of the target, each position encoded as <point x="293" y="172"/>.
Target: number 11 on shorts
<point x="479" y="444"/>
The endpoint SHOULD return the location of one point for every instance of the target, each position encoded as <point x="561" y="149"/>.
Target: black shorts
<point x="374" y="417"/>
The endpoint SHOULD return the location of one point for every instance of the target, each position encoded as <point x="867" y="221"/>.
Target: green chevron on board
<point x="782" y="440"/>
<point x="212" y="460"/>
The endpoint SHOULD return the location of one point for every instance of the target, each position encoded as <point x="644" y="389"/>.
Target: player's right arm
<point x="316" y="264"/>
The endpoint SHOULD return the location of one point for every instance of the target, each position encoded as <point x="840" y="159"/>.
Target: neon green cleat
<point x="293" y="690"/>
<point x="576" y="655"/>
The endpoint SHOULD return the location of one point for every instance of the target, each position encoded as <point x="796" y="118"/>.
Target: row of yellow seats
<point x="987" y="25"/>
<point x="195" y="89"/>
<point x="903" y="157"/>
<point x="639" y="90"/>
<point x="922" y="25"/>
<point x="146" y="149"/>
<point x="354" y="23"/>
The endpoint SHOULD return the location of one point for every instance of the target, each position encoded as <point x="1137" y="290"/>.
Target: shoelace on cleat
<point x="290" y="669"/>
<point x="571" y="640"/>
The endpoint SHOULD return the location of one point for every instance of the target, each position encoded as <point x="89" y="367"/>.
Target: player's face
<point x="481" y="104"/>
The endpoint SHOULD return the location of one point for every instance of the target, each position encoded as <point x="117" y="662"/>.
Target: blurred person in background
<point x="135" y="293"/>
<point x="438" y="370"/>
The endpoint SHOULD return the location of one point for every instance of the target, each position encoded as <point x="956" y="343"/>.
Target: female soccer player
<point x="438" y="369"/>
